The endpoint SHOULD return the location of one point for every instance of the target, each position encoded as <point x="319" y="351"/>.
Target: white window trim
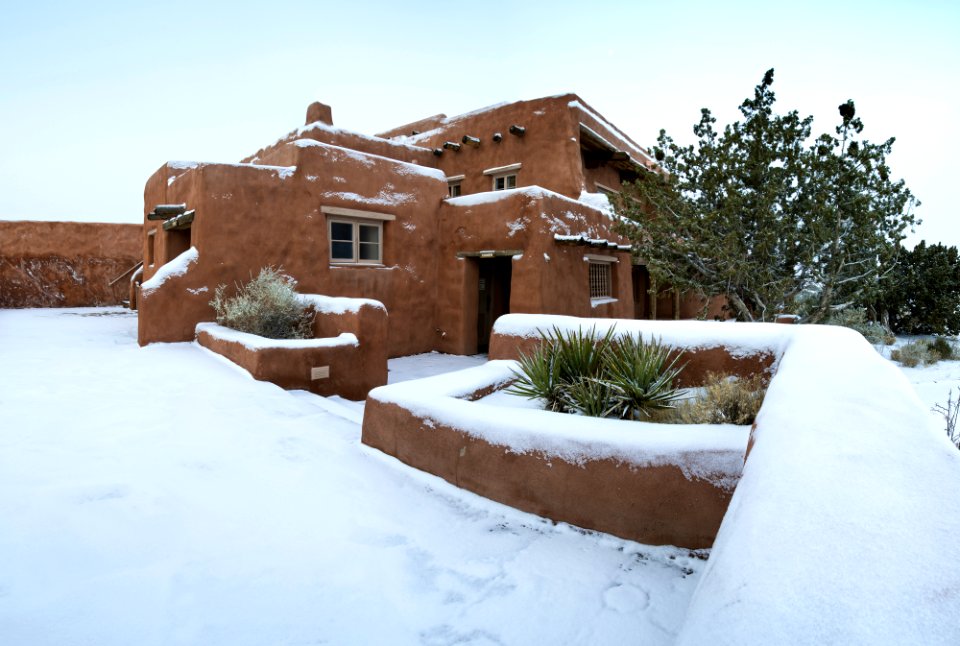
<point x="456" y="178"/>
<point x="503" y="170"/>
<point x="355" y="223"/>
<point x="593" y="257"/>
<point x="357" y="213"/>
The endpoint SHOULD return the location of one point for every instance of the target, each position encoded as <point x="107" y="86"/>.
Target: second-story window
<point x="503" y="182"/>
<point x="503" y="177"/>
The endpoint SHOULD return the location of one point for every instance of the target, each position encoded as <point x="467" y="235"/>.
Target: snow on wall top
<point x="256" y="342"/>
<point x="338" y="304"/>
<point x="739" y="340"/>
<point x="320" y="125"/>
<point x="176" y="267"/>
<point x="283" y="172"/>
<point x="490" y="197"/>
<point x="445" y="123"/>
<point x="712" y="453"/>
<point x="368" y="159"/>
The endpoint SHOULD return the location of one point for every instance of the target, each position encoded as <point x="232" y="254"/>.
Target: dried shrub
<point x="925" y="352"/>
<point x="724" y="399"/>
<point x="950" y="411"/>
<point x="267" y="306"/>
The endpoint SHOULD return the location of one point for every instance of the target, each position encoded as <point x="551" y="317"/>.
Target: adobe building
<point x="449" y="221"/>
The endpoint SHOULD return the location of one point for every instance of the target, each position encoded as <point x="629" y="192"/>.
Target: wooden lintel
<point x="491" y="253"/>
<point x="182" y="221"/>
<point x="166" y="211"/>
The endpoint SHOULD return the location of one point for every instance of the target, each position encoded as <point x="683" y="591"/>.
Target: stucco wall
<point x="65" y="264"/>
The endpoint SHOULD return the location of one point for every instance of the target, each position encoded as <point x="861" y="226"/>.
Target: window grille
<point x="600" y="280"/>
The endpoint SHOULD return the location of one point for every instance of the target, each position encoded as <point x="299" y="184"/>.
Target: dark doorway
<point x="178" y="241"/>
<point x="641" y="295"/>
<point x="493" y="282"/>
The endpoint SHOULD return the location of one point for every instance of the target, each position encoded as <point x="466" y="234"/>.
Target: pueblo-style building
<point x="449" y="222"/>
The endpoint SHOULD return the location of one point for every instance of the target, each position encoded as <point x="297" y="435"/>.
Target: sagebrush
<point x="599" y="375"/>
<point x="925" y="352"/>
<point x="267" y="306"/>
<point x="855" y="318"/>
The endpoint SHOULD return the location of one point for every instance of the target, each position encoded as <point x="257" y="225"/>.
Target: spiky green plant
<point x="560" y="359"/>
<point x="539" y="377"/>
<point x="643" y="374"/>
<point x="602" y="376"/>
<point x="591" y="396"/>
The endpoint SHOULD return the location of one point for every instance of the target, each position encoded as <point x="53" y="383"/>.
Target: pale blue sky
<point x="95" y="96"/>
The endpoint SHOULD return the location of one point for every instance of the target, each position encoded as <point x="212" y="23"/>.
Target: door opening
<point x="493" y="284"/>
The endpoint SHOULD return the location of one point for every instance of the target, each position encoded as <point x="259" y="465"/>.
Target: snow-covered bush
<point x="267" y="306"/>
<point x="725" y="399"/>
<point x="601" y="376"/>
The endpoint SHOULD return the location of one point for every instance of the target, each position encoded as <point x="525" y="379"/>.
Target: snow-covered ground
<point x="159" y="495"/>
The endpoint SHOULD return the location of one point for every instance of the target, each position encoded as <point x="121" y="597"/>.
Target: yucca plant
<point x="644" y="375"/>
<point x="561" y="359"/>
<point x="591" y="396"/>
<point x="539" y="377"/>
<point x="601" y="376"/>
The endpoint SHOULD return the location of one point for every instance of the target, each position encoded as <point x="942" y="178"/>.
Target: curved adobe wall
<point x="65" y="264"/>
<point x="657" y="484"/>
<point x="657" y="505"/>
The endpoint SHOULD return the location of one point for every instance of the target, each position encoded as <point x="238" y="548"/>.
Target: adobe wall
<point x="253" y="216"/>
<point x="655" y="505"/>
<point x="549" y="149"/>
<point x="65" y="264"/>
<point x="352" y="369"/>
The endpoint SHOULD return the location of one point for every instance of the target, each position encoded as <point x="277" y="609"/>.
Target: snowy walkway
<point x="161" y="496"/>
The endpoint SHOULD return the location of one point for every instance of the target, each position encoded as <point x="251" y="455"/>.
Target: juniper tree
<point x="754" y="214"/>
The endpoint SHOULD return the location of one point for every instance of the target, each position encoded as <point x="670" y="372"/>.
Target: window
<point x="601" y="278"/>
<point x="356" y="237"/>
<point x="504" y="177"/>
<point x="356" y="241"/>
<point x="453" y="185"/>
<point x="503" y="182"/>
<point x="151" y="245"/>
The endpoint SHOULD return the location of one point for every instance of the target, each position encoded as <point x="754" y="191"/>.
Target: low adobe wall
<point x="348" y="357"/>
<point x="657" y="484"/>
<point x="66" y="264"/>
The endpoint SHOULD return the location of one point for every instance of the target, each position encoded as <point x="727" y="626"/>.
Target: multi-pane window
<point x="600" y="281"/>
<point x="454" y="190"/>
<point x="355" y="241"/>
<point x="503" y="182"/>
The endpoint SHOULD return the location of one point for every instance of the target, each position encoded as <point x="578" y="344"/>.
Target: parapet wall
<point x="66" y="264"/>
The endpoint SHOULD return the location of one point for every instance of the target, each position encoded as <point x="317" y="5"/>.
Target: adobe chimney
<point x="319" y="112"/>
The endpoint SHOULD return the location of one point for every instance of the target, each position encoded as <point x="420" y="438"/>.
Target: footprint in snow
<point x="626" y="598"/>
